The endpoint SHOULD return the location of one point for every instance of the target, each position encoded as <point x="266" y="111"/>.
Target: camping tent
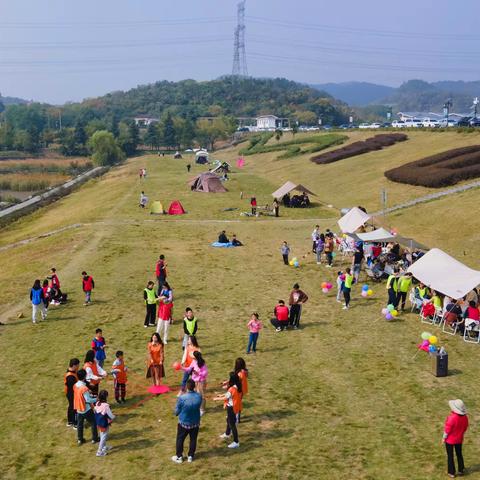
<point x="288" y="187"/>
<point x="176" y="208"/>
<point x="201" y="157"/>
<point x="221" y="168"/>
<point x="157" y="208"/>
<point x="382" y="235"/>
<point x="353" y="220"/>
<point x="207" y="182"/>
<point x="444" y="274"/>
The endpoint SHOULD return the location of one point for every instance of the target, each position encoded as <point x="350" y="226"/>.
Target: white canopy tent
<point x="353" y="220"/>
<point x="382" y="235"/>
<point x="288" y="187"/>
<point x="445" y="274"/>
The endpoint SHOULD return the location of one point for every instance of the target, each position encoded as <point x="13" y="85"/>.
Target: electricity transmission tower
<point x="239" y="55"/>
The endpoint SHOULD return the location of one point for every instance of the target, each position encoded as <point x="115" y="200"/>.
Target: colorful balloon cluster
<point x="326" y="287"/>
<point x="429" y="342"/>
<point x="389" y="312"/>
<point x="366" y="291"/>
<point x="294" y="262"/>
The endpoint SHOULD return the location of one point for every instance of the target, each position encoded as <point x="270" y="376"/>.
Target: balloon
<point x="425" y="343"/>
<point x="384" y="311"/>
<point x="344" y="236"/>
<point x="177" y="366"/>
<point x="291" y="263"/>
<point x="334" y="255"/>
<point x="329" y="285"/>
<point x="369" y="292"/>
<point x="394" y="313"/>
<point x="390" y="307"/>
<point x="325" y="290"/>
<point x="324" y="285"/>
<point x="365" y="287"/>
<point x="433" y="340"/>
<point x="296" y="264"/>
<point x="364" y="294"/>
<point x="426" y="335"/>
<point x="388" y="316"/>
<point x="294" y="259"/>
<point x="432" y="348"/>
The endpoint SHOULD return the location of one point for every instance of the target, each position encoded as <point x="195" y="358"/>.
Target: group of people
<point x="223" y="238"/>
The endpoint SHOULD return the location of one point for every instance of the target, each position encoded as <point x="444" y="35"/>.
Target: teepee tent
<point x="288" y="187"/>
<point x="157" y="208"/>
<point x="176" y="208"/>
<point x="207" y="182"/>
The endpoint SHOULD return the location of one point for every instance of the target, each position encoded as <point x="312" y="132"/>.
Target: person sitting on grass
<point x="236" y="242"/>
<point x="281" y="315"/>
<point x="222" y="237"/>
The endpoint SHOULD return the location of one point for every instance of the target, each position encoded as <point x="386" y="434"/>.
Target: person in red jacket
<point x="88" y="285"/>
<point x="253" y="204"/>
<point x="161" y="272"/>
<point x="455" y="427"/>
<point x="281" y="315"/>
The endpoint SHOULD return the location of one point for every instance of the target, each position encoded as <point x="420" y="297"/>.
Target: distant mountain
<point x="12" y="100"/>
<point x="356" y="93"/>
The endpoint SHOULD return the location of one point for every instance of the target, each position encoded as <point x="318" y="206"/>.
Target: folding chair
<point x="425" y="318"/>
<point x="448" y="328"/>
<point x="414" y="301"/>
<point x="438" y="317"/>
<point x="471" y="333"/>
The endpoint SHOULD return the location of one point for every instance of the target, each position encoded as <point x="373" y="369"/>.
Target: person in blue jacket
<point x="37" y="298"/>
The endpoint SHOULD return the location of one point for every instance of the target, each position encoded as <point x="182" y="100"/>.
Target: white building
<point x="145" y="121"/>
<point x="271" y="122"/>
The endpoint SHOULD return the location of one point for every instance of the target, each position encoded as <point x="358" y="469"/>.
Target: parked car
<point x="327" y="127"/>
<point x="375" y="125"/>
<point x="464" y="122"/>
<point x="475" y="122"/>
<point x="398" y="124"/>
<point x="386" y="125"/>
<point x="364" y="125"/>
<point x="413" y="123"/>
<point x="450" y="123"/>
<point x="430" y="123"/>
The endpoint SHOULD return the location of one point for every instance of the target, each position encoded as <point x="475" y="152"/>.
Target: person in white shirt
<point x="315" y="234"/>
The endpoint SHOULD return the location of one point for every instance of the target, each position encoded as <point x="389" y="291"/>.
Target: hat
<point x="457" y="406"/>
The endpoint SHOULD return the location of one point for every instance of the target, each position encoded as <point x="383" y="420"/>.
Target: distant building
<point x="434" y="116"/>
<point x="145" y="121"/>
<point x="271" y="122"/>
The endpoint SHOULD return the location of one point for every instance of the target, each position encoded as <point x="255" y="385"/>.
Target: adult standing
<point x="392" y="287"/>
<point x="329" y="247"/>
<point x="456" y="425"/>
<point x="315" y="234"/>
<point x="69" y="381"/>
<point x="83" y="402"/>
<point x="155" y="361"/>
<point x="165" y="308"/>
<point x="296" y="300"/>
<point x="319" y="247"/>
<point x="88" y="285"/>
<point x="404" y="284"/>
<point x="151" y="300"/>
<point x="357" y="262"/>
<point x="187" y="358"/>
<point x="285" y="252"/>
<point x="232" y="401"/>
<point x="253" y="204"/>
<point x="187" y="410"/>
<point x="161" y="272"/>
<point x="276" y="207"/>
<point x="190" y="326"/>
<point x="347" y="288"/>
<point x="280" y="316"/>
<point x="37" y="298"/>
<point x="95" y="373"/>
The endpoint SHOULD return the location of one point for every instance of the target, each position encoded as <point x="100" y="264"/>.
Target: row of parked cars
<point x="426" y="123"/>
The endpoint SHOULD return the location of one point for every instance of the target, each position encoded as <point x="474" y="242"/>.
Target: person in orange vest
<point x="69" y="380"/>
<point x="83" y="402"/>
<point x="187" y="359"/>
<point x="88" y="285"/>
<point x="232" y="403"/>
<point x="119" y="371"/>
<point x="242" y="372"/>
<point x="95" y="373"/>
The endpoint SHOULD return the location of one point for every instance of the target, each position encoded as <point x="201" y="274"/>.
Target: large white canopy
<point x="444" y="274"/>
<point x="353" y="220"/>
<point x="288" y="187"/>
<point x="382" y="235"/>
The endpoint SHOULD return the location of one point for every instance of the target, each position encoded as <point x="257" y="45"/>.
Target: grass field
<point x="342" y="398"/>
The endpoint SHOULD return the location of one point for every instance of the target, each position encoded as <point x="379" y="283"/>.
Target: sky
<point x="57" y="51"/>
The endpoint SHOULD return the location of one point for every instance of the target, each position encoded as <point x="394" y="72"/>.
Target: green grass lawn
<point x="342" y="398"/>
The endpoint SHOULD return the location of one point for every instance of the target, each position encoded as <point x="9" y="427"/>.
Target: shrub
<point x="440" y="170"/>
<point x="359" y="148"/>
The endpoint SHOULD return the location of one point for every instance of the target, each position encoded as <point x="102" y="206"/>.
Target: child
<point x="340" y="280"/>
<point x="347" y="287"/>
<point x="253" y="204"/>
<point x="119" y="372"/>
<point x="285" y="252"/>
<point x="190" y="326"/>
<point x="198" y="369"/>
<point x="36" y="297"/>
<point x="254" y="326"/>
<point x="88" y="285"/>
<point x="165" y="308"/>
<point x="46" y="294"/>
<point x="98" y="346"/>
<point x="242" y="372"/>
<point x="103" y="419"/>
<point x="231" y="403"/>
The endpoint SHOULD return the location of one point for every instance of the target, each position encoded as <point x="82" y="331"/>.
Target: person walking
<point x="70" y="379"/>
<point x="254" y="326"/>
<point x="296" y="300"/>
<point x="456" y="425"/>
<point x="253" y="204"/>
<point x="37" y="298"/>
<point x="347" y="287"/>
<point x="276" y="207"/>
<point x="328" y="249"/>
<point x="231" y="402"/>
<point x="188" y="167"/>
<point x="155" y="360"/>
<point x="285" y="252"/>
<point x="319" y="247"/>
<point x="187" y="409"/>
<point x="83" y="402"/>
<point x="88" y="285"/>
<point x="392" y="287"/>
<point x="161" y="272"/>
<point x="165" y="307"/>
<point x="103" y="419"/>
<point x="280" y="316"/>
<point x="151" y="299"/>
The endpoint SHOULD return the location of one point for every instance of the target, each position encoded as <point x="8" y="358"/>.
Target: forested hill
<point x="226" y="96"/>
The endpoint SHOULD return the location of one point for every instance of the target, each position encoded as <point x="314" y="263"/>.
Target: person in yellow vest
<point x="151" y="300"/>
<point x="69" y="380"/>
<point x="392" y="287"/>
<point x="404" y="284"/>
<point x="347" y="287"/>
<point x="83" y="402"/>
<point x="190" y="326"/>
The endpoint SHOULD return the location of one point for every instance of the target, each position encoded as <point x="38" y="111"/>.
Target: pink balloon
<point x="325" y="290"/>
<point x="425" y="343"/>
<point x="384" y="311"/>
<point x="329" y="286"/>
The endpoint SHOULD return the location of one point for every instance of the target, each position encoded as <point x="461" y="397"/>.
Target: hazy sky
<point x="61" y="50"/>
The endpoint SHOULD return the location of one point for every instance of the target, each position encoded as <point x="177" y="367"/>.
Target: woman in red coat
<point x="455" y="427"/>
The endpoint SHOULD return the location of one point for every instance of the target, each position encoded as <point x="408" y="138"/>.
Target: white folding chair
<point x="448" y="328"/>
<point x="425" y="318"/>
<point x="471" y="334"/>
<point x="414" y="301"/>
<point x="438" y="317"/>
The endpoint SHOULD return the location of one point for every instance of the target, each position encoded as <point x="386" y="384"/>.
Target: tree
<point x="104" y="149"/>
<point x="168" y="131"/>
<point x="7" y="136"/>
<point x="294" y="129"/>
<point x="127" y="138"/>
<point x="187" y="134"/>
<point x="68" y="144"/>
<point x="209" y="131"/>
<point x="278" y="134"/>
<point x="306" y="117"/>
<point x="152" y="136"/>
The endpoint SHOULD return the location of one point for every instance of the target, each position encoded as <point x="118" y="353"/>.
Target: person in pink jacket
<point x="254" y="326"/>
<point x="198" y="369"/>
<point x="455" y="427"/>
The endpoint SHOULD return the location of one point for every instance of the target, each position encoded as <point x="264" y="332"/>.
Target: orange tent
<point x="176" y="208"/>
